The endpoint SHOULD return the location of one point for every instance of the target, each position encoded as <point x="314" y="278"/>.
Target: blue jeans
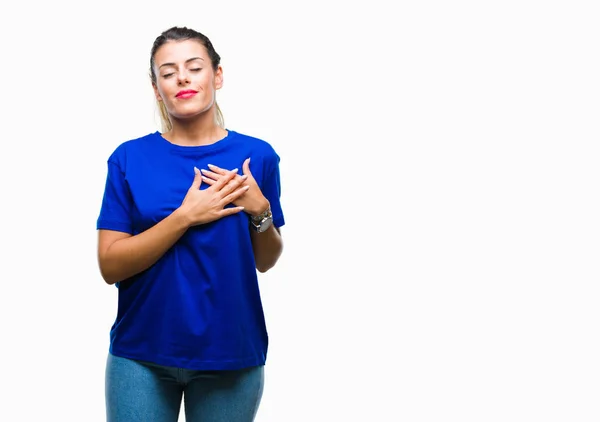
<point x="144" y="392"/>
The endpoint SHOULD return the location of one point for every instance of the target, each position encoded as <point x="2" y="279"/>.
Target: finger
<point x="225" y="179"/>
<point x="208" y="180"/>
<point x="233" y="185"/>
<point x="234" y="195"/>
<point x="246" y="167"/>
<point x="211" y="174"/>
<point x="197" y="179"/>
<point x="211" y="182"/>
<point x="230" y="211"/>
<point x="217" y="176"/>
<point x="217" y="169"/>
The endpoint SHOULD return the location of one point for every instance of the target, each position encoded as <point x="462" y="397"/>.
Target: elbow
<point x="108" y="278"/>
<point x="263" y="268"/>
<point x="265" y="265"/>
<point x="268" y="257"/>
<point x="111" y="281"/>
<point x="107" y="275"/>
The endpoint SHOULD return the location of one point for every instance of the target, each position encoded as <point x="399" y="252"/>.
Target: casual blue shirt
<point x="199" y="306"/>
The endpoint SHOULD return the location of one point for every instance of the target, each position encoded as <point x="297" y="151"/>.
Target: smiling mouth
<point x="186" y="94"/>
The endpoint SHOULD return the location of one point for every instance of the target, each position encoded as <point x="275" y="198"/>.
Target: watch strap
<point x="260" y="217"/>
<point x="262" y="221"/>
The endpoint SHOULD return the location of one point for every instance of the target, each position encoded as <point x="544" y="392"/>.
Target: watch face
<point x="257" y="219"/>
<point x="266" y="223"/>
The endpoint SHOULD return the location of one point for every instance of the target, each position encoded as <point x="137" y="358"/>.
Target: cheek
<point x="207" y="80"/>
<point x="162" y="88"/>
<point x="165" y="91"/>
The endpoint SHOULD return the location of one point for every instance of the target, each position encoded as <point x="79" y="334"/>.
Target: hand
<point x="204" y="206"/>
<point x="253" y="201"/>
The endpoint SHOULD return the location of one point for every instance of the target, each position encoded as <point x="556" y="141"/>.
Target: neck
<point x="195" y="132"/>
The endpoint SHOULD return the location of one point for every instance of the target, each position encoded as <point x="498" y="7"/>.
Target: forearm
<point x="267" y="248"/>
<point x="129" y="256"/>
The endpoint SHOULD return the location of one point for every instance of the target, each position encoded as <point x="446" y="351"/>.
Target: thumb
<point x="197" y="179"/>
<point x="246" y="167"/>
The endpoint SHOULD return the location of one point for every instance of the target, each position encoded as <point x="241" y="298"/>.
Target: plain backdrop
<point x="439" y="163"/>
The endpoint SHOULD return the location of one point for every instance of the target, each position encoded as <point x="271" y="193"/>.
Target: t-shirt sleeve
<point x="271" y="189"/>
<point x="115" y="212"/>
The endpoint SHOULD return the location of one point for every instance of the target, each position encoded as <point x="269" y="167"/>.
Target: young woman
<point x="188" y="216"/>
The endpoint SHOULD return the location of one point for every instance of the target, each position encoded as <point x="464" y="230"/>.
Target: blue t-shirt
<point x="199" y="306"/>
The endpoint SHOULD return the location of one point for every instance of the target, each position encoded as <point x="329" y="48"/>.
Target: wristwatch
<point x="262" y="222"/>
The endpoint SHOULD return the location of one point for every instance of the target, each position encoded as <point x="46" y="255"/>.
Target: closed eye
<point x="168" y="75"/>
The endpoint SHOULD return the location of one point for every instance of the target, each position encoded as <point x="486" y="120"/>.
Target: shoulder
<point x="257" y="145"/>
<point x="252" y="141"/>
<point x="131" y="147"/>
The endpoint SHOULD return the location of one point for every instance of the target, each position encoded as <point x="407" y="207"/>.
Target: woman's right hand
<point x="204" y="206"/>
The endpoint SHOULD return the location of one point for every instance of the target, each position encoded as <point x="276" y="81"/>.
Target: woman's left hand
<point x="253" y="201"/>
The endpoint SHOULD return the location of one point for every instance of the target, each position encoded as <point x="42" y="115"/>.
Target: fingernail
<point x="234" y="170"/>
<point x="210" y="165"/>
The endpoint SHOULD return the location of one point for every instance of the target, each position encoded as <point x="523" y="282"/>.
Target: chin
<point x="188" y="112"/>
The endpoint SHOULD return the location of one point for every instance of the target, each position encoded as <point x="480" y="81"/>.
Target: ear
<point x="219" y="78"/>
<point x="156" y="93"/>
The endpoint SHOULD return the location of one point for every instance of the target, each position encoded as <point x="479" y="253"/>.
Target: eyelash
<point x="196" y="69"/>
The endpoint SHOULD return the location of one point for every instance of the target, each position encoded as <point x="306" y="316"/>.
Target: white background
<point x="440" y="174"/>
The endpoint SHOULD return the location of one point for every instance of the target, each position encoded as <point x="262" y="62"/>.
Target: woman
<point x="182" y="233"/>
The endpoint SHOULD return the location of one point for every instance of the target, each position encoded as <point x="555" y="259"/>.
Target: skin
<point x="184" y="65"/>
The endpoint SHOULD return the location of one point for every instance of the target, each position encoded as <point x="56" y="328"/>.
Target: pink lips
<point x="188" y="93"/>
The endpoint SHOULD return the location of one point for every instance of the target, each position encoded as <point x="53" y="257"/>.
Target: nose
<point x="183" y="78"/>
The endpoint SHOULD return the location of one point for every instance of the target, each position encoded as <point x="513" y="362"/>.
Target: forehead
<point x="180" y="51"/>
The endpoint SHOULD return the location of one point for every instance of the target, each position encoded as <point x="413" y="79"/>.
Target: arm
<point x="121" y="255"/>
<point x="267" y="248"/>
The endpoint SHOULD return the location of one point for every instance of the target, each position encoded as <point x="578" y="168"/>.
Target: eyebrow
<point x="187" y="61"/>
